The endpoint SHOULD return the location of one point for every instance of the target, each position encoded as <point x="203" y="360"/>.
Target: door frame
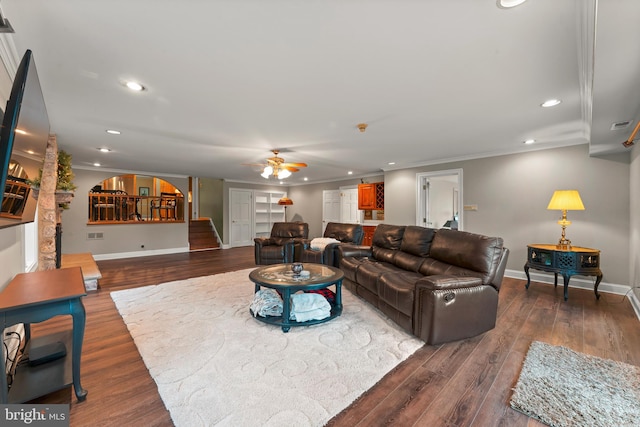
<point x="421" y="197"/>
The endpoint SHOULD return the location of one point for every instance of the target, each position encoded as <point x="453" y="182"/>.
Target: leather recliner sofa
<point x="283" y="246"/>
<point x="440" y="285"/>
<point x="345" y="233"/>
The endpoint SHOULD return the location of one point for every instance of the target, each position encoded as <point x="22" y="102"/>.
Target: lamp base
<point x="563" y="244"/>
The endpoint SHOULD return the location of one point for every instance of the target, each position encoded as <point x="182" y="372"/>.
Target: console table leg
<point x="595" y="288"/>
<point x="79" y="317"/>
<point x="566" y="278"/>
<point x="526" y="271"/>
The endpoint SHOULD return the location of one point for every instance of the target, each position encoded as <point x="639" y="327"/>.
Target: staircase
<point x="201" y="235"/>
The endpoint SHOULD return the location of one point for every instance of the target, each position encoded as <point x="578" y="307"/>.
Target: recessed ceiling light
<point x="350" y="173"/>
<point x="550" y="103"/>
<point x="113" y="132"/>
<point x="391" y="163"/>
<point x="134" y="86"/>
<point x="104" y="149"/>
<point x="529" y="141"/>
<point x="507" y="4"/>
<point x="96" y="164"/>
<point x="306" y="179"/>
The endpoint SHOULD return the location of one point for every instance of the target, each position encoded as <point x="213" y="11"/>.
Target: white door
<point x="439" y="198"/>
<point x="330" y="207"/>
<point x="241" y="218"/>
<point x="349" y="212"/>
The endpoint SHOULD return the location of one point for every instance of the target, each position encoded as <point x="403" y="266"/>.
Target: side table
<point x="566" y="261"/>
<point x="33" y="298"/>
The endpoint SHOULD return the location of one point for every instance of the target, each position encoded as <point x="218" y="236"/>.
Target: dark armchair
<point x="345" y="233"/>
<point x="284" y="245"/>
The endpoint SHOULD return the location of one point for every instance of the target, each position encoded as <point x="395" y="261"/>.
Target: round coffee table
<point x="281" y="278"/>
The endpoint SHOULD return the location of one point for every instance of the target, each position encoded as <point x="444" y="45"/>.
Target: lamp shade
<point x="285" y="201"/>
<point x="566" y="200"/>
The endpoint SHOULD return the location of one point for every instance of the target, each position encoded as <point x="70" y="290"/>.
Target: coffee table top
<point x="281" y="276"/>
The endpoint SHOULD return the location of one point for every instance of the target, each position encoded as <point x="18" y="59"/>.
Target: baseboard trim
<point x="576" y="282"/>
<point x="119" y="255"/>
<point x="635" y="303"/>
<point x="580" y="283"/>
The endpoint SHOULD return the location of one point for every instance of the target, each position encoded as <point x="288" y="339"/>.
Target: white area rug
<point x="562" y="387"/>
<point x="215" y="364"/>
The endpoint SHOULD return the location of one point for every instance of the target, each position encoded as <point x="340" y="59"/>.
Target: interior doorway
<point x="439" y="199"/>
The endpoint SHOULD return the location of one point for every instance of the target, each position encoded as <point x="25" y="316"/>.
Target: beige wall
<point x="512" y="193"/>
<point x="210" y="197"/>
<point x="118" y="238"/>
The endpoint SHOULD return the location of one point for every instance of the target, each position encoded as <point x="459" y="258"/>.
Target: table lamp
<point x="285" y="201"/>
<point x="565" y="200"/>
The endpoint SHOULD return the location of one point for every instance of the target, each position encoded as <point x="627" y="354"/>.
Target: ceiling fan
<point x="276" y="166"/>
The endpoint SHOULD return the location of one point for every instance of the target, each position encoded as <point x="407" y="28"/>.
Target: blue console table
<point x="567" y="261"/>
<point x="36" y="297"/>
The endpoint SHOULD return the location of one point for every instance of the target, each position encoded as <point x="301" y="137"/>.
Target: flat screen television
<point x="23" y="142"/>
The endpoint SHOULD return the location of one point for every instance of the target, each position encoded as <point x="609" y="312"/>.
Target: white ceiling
<point x="227" y="81"/>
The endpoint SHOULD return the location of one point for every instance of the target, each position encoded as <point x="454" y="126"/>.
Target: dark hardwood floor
<point x="462" y="383"/>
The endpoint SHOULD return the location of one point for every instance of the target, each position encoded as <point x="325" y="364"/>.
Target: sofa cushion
<point x="397" y="289"/>
<point x="273" y="253"/>
<point x="469" y="251"/>
<point x="388" y="236"/>
<point x="368" y="273"/>
<point x="407" y="261"/>
<point x="384" y="254"/>
<point x="417" y="240"/>
<point x="350" y="265"/>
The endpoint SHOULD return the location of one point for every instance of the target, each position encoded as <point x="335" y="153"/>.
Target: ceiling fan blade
<point x="290" y="168"/>
<point x="295" y="165"/>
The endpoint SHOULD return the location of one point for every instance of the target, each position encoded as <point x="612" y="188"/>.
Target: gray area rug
<point x="561" y="387"/>
<point x="215" y="364"/>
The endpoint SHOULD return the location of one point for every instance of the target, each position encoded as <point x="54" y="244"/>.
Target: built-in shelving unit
<point x="267" y="211"/>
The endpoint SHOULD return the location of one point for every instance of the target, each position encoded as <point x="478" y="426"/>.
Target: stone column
<point x="47" y="208"/>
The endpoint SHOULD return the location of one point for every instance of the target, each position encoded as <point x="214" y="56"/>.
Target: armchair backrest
<point x="346" y="233"/>
<point x="283" y="231"/>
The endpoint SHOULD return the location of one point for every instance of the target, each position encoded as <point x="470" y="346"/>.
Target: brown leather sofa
<point x="440" y="285"/>
<point x="345" y="233"/>
<point x="283" y="246"/>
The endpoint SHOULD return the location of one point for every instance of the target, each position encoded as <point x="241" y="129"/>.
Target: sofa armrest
<point x="447" y="281"/>
<point x="449" y="308"/>
<point x="263" y="241"/>
<point x="345" y="250"/>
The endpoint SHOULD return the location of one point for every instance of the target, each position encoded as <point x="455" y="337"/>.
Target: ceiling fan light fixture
<point x="282" y="174"/>
<point x="362" y="127"/>
<point x="266" y="173"/>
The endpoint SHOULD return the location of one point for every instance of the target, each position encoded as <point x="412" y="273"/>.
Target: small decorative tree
<point x="64" y="183"/>
<point x="65" y="174"/>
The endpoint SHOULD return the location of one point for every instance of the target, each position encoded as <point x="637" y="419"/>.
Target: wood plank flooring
<point x="464" y="383"/>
